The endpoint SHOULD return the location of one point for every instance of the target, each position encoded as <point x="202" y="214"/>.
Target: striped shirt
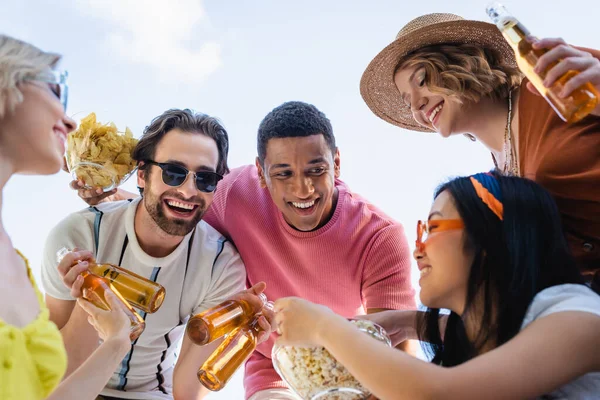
<point x="201" y="272"/>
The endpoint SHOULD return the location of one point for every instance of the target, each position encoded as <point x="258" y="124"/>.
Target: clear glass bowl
<point x="99" y="154"/>
<point x="96" y="175"/>
<point x="313" y="373"/>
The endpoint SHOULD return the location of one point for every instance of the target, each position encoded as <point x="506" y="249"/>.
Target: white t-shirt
<point x="204" y="270"/>
<point x="560" y="298"/>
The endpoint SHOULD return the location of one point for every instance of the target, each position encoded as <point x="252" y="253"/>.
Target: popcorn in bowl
<point x="99" y="155"/>
<point x="313" y="373"/>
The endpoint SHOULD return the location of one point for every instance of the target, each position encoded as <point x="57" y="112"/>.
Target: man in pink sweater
<point x="305" y="233"/>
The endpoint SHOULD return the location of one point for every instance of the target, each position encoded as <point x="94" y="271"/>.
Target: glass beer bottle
<point x="220" y="320"/>
<point x="229" y="356"/>
<point x="140" y="292"/>
<point x="93" y="290"/>
<point x="573" y="108"/>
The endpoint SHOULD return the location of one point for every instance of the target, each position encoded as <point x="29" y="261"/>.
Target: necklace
<point x="511" y="164"/>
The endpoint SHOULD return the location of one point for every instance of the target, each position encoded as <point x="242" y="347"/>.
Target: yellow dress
<point x="33" y="358"/>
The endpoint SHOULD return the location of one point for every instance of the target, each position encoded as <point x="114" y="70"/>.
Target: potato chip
<point x="100" y="155"/>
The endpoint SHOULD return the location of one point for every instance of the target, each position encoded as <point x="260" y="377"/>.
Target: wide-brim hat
<point x="377" y="85"/>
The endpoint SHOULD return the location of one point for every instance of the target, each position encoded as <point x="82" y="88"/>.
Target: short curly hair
<point x="19" y="60"/>
<point x="293" y="119"/>
<point x="465" y="71"/>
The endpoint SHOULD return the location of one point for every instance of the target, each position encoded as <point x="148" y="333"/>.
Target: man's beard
<point x="172" y="226"/>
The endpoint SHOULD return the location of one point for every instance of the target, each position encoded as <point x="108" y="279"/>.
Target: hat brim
<point x="377" y="85"/>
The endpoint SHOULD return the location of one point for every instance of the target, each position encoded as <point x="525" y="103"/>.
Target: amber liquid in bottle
<point x="140" y="292"/>
<point x="93" y="289"/>
<point x="220" y="320"/>
<point x="573" y="108"/>
<point x="218" y="369"/>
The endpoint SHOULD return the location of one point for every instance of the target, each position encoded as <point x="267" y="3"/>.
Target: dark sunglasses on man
<point x="175" y="175"/>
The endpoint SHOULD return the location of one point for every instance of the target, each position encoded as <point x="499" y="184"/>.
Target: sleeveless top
<point x="32" y="358"/>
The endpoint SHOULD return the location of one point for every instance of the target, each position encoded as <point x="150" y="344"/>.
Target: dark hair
<point x="293" y="119"/>
<point x="187" y="121"/>
<point x="515" y="259"/>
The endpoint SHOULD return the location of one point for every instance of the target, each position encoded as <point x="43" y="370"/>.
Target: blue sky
<point x="130" y="60"/>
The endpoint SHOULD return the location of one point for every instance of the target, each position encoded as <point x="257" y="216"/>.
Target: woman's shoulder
<point x="560" y="298"/>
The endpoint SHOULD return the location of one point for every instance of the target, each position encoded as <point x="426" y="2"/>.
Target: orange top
<point x="565" y="159"/>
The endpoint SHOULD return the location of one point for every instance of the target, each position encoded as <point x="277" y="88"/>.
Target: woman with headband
<point x="452" y="76"/>
<point x="522" y="324"/>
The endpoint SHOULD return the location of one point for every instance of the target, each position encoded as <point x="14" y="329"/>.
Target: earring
<point x="470" y="137"/>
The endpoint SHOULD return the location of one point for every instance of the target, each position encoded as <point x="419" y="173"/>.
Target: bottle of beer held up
<point x="573" y="108"/>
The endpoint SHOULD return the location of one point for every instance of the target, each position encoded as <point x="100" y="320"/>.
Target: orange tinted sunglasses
<point x="424" y="228"/>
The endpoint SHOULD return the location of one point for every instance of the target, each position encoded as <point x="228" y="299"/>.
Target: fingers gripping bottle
<point x="93" y="290"/>
<point x="140" y="292"/>
<point x="218" y="369"/>
<point x="573" y="108"/>
<point x="220" y="320"/>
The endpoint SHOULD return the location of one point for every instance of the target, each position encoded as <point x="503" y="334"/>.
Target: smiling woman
<point x="33" y="130"/>
<point x="454" y="76"/>
<point x="496" y="257"/>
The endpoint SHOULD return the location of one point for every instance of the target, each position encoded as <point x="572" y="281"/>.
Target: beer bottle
<point x="140" y="292"/>
<point x="573" y="108"/>
<point x="220" y="320"/>
<point x="93" y="290"/>
<point x="218" y="369"/>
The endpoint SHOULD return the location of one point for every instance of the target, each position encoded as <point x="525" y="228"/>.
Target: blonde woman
<point x="33" y="129"/>
<point x="452" y="76"/>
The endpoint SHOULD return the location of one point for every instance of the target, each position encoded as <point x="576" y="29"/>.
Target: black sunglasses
<point x="175" y="175"/>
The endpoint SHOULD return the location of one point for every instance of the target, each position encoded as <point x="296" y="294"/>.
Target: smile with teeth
<point x="303" y="205"/>
<point x="435" y="112"/>
<point x="425" y="271"/>
<point x="180" y="205"/>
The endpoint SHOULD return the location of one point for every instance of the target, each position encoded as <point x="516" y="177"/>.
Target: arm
<point x="79" y="337"/>
<point x="386" y="276"/>
<point x="542" y="366"/>
<point x="185" y="381"/>
<point x="401" y="325"/>
<point x="113" y="327"/>
<point x="93" y="374"/>
<point x="404" y="344"/>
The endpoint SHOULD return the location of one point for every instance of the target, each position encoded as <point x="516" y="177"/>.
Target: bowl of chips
<point x="99" y="155"/>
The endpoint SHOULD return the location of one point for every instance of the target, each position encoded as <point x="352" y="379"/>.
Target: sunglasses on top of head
<point x="175" y="175"/>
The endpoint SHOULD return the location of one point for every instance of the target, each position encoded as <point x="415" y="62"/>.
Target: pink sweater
<point x="359" y="260"/>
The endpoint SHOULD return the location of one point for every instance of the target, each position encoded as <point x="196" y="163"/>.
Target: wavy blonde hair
<point x="18" y="61"/>
<point x="465" y="71"/>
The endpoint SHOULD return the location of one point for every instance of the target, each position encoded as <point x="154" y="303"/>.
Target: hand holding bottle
<point x="567" y="58"/>
<point x="231" y="314"/>
<point x="70" y="268"/>
<point x="110" y="324"/>
<point x="267" y="319"/>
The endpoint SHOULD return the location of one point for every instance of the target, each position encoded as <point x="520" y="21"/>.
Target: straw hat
<point x="377" y="84"/>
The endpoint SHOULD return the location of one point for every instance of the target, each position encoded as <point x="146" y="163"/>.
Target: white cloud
<point x="159" y="33"/>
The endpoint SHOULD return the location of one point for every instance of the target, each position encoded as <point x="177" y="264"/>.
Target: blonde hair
<point x="464" y="71"/>
<point x="18" y="61"/>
